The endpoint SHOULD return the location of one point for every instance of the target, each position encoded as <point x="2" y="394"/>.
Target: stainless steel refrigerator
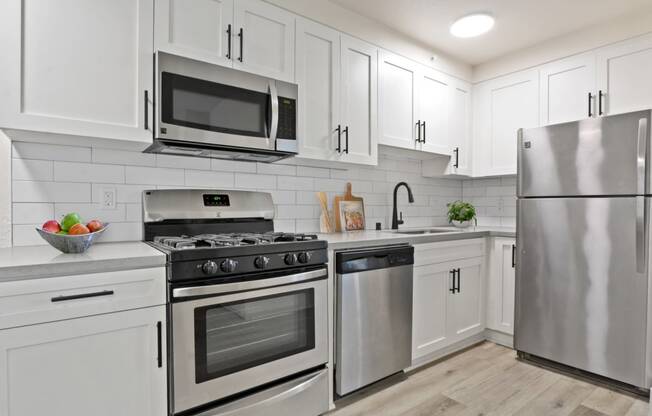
<point x="583" y="262"/>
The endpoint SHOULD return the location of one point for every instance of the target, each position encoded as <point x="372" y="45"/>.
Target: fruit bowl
<point x="71" y="243"/>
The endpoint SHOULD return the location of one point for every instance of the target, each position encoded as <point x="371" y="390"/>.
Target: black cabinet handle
<point x="600" y="95"/>
<point x="339" y="139"/>
<point x="241" y="36"/>
<point x="457" y="157"/>
<point x="590" y="99"/>
<point x="459" y="280"/>
<point x="146" y="110"/>
<point x="452" y="289"/>
<point x="418" y="131"/>
<point x="346" y="138"/>
<point x="82" y="296"/>
<point x="513" y="256"/>
<point x="159" y="343"/>
<point x="229" y="34"/>
<point x="424" y="132"/>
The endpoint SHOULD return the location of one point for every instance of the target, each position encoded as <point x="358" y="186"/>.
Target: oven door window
<point x="235" y="336"/>
<point x="205" y="105"/>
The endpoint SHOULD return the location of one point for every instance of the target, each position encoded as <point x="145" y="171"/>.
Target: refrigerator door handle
<point x="641" y="156"/>
<point x="640" y="234"/>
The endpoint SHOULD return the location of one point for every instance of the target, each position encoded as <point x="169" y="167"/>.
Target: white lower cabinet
<point x="448" y="296"/>
<point x="500" y="289"/>
<point x="103" y="365"/>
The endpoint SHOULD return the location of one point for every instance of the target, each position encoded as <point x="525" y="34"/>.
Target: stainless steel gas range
<point x="247" y="306"/>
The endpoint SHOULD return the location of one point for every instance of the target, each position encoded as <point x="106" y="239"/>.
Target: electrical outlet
<point x="109" y="198"/>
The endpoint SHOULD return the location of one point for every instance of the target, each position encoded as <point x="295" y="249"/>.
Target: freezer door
<point x="581" y="284"/>
<point x="598" y="156"/>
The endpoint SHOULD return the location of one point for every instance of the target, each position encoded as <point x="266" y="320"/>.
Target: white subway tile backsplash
<point x="31" y="170"/>
<point x="169" y="161"/>
<point x="295" y="183"/>
<point x="125" y="193"/>
<point x="89" y="212"/>
<point x="313" y="172"/>
<point x="26" y="235"/>
<point x="233" y="166"/>
<point x="494" y="198"/>
<point x="36" y="191"/>
<point x="88" y="172"/>
<point x="154" y="176"/>
<point x="25" y="150"/>
<point x="32" y="213"/>
<point x="276" y="169"/>
<point x="250" y="181"/>
<point x="123" y="157"/>
<point x="202" y="178"/>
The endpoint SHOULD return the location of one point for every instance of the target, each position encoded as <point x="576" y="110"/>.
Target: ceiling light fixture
<point x="472" y="25"/>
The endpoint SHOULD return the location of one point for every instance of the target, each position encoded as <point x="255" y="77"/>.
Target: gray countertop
<point x="44" y="261"/>
<point x="368" y="238"/>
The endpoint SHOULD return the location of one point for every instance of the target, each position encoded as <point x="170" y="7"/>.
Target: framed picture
<point x="352" y="215"/>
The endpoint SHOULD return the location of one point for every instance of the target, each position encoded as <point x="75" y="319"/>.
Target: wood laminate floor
<point x="488" y="380"/>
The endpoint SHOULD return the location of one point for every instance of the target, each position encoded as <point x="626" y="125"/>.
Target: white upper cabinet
<point x="318" y="76"/>
<point x="359" y="108"/>
<point x="568" y="90"/>
<point x="196" y="28"/>
<point x="459" y="131"/>
<point x="264" y="39"/>
<point x="501" y="107"/>
<point x="78" y="67"/>
<point x="624" y="76"/>
<point x="434" y="110"/>
<point x="398" y="102"/>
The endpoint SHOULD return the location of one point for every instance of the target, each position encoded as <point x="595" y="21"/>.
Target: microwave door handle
<point x="273" y="93"/>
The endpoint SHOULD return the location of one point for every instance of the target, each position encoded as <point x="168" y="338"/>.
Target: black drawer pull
<point x="159" y="343"/>
<point x="459" y="280"/>
<point x="452" y="289"/>
<point x="513" y="256"/>
<point x="82" y="296"/>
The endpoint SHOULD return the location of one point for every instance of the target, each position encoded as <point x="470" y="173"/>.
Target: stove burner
<point x="230" y="240"/>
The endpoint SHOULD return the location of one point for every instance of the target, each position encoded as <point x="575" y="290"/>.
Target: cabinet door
<point x="432" y="286"/>
<point x="264" y="38"/>
<point x="501" y="107"/>
<point x="567" y="89"/>
<point x="318" y="76"/>
<point x="466" y="306"/>
<point x="460" y="128"/>
<point x="397" y="97"/>
<point x="359" y="100"/>
<point x="434" y="102"/>
<point x="624" y="75"/>
<point x="500" y="290"/>
<point x="103" y="365"/>
<point x="78" y="67"/>
<point x="196" y="28"/>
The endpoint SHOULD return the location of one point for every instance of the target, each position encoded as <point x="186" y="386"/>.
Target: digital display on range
<point x="216" y="200"/>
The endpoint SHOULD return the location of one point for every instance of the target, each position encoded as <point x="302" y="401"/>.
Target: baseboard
<point x="500" y="338"/>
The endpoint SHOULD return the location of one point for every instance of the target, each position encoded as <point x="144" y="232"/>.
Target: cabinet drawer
<point x="28" y="302"/>
<point x="431" y="253"/>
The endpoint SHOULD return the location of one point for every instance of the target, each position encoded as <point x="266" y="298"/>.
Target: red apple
<point x="51" y="226"/>
<point x="78" y="229"/>
<point x="95" y="225"/>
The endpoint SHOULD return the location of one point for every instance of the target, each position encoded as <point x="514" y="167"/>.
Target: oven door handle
<point x="273" y="94"/>
<point x="266" y="399"/>
<point x="195" y="291"/>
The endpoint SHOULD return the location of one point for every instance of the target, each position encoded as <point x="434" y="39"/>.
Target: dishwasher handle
<point x="356" y="261"/>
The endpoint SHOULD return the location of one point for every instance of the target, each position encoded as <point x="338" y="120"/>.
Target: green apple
<point x="69" y="220"/>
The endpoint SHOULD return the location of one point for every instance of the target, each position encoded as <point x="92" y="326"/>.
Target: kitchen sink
<point x="412" y="232"/>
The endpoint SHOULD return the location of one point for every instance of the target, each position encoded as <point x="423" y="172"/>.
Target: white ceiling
<point x="519" y="23"/>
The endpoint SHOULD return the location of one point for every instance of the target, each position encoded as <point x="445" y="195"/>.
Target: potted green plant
<point x="461" y="214"/>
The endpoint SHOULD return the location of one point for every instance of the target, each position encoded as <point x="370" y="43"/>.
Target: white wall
<point x="344" y="20"/>
<point x="581" y="41"/>
<point x="51" y="180"/>
<point x="5" y="191"/>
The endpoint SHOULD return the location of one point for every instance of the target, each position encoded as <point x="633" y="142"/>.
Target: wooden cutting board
<point x="348" y="196"/>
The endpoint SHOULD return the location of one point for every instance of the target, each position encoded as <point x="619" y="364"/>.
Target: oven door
<point x="208" y="104"/>
<point x="229" y="343"/>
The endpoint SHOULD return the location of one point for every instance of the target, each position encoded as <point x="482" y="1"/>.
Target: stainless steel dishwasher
<point x="374" y="315"/>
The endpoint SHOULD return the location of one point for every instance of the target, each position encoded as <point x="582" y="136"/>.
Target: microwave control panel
<point x="287" y="118"/>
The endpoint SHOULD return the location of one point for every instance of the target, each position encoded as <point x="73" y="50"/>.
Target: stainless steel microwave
<point x="207" y="110"/>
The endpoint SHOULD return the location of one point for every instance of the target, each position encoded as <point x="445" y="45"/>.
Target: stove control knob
<point x="290" y="259"/>
<point x="210" y="267"/>
<point x="304" y="257"/>
<point x="228" y="266"/>
<point x="261" y="262"/>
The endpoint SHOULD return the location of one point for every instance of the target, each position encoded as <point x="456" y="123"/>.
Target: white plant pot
<point x="462" y="224"/>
